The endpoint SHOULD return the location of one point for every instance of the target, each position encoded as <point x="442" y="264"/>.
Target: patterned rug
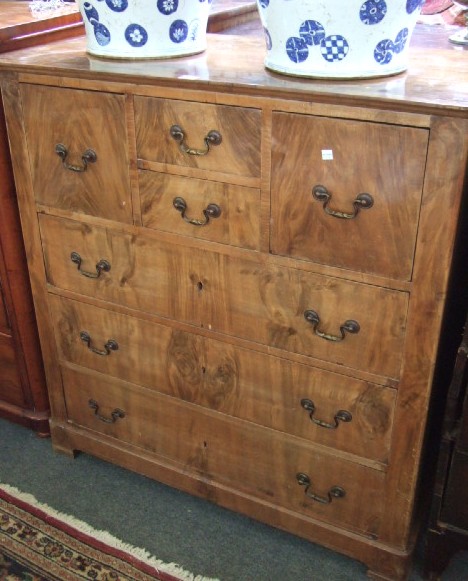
<point x="40" y="544"/>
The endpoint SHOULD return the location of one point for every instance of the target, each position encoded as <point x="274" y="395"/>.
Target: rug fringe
<point x="105" y="537"/>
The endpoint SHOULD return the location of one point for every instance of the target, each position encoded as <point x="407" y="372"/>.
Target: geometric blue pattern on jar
<point x="412" y="5"/>
<point x="386" y="48"/>
<point x="136" y="35"/>
<point x="297" y="49"/>
<point x="267" y="38"/>
<point x="102" y="34"/>
<point x="400" y="40"/>
<point x="178" y="31"/>
<point x="373" y="11"/>
<point x="264" y="3"/>
<point x="334" y="48"/>
<point x="383" y="52"/>
<point x="168" y="6"/>
<point x="312" y="32"/>
<point x="117" y="5"/>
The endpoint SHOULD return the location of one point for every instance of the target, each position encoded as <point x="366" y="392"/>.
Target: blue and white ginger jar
<point x="145" y="28"/>
<point x="338" y="38"/>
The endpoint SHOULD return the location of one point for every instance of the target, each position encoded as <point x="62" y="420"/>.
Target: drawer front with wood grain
<point x="200" y="208"/>
<point x="327" y="408"/>
<point x="347" y="323"/>
<point x="347" y="193"/>
<point x="252" y="460"/>
<point x="78" y="151"/>
<point x="183" y="133"/>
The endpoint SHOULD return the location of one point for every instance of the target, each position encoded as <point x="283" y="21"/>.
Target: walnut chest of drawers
<point x="240" y="278"/>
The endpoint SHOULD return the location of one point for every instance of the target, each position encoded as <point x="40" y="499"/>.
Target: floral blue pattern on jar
<point x="145" y="28"/>
<point x="168" y="6"/>
<point x="117" y="5"/>
<point x="136" y="35"/>
<point x="178" y="31"/>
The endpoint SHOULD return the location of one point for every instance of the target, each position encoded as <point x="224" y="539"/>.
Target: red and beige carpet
<point x="39" y="544"/>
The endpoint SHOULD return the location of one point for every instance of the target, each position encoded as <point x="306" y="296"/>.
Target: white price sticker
<point x="327" y="154"/>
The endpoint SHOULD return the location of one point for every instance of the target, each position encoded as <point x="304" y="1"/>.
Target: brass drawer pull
<point x="340" y="416"/>
<point x="211" y="211"/>
<point x="89" y="156"/>
<point x="347" y="327"/>
<point x="111" y="345"/>
<point x="115" y="415"/>
<point x="362" y="202"/>
<point x="101" y="266"/>
<point x="334" y="492"/>
<point x="212" y="138"/>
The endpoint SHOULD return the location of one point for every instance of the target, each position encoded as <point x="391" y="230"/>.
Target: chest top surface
<point x="436" y="80"/>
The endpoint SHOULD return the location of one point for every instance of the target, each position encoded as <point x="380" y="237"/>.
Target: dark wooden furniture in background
<point x="20" y="29"/>
<point x="448" y="528"/>
<point x="23" y="393"/>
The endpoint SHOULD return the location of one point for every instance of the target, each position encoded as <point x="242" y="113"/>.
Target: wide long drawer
<point x="351" y="324"/>
<point x="253" y="461"/>
<point x="327" y="408"/>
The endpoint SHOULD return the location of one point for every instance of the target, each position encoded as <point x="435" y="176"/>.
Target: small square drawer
<point x="218" y="138"/>
<point x="78" y="151"/>
<point x="347" y="193"/>
<point x="248" y="459"/>
<point x="326" y="408"/>
<point x="203" y="209"/>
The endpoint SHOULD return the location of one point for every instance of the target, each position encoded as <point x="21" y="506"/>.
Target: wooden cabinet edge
<point x="18" y="148"/>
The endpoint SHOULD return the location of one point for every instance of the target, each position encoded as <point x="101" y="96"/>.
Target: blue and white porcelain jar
<point x="338" y="38"/>
<point x="145" y="28"/>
